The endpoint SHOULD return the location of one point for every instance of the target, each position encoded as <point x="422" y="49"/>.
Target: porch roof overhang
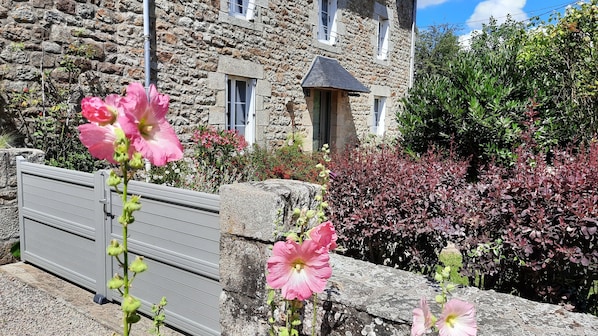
<point x="327" y="73"/>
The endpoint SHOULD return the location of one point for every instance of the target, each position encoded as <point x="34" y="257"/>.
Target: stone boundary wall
<point x="361" y="298"/>
<point x="9" y="212"/>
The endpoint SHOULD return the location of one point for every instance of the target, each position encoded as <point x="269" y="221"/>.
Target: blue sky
<point x="470" y="14"/>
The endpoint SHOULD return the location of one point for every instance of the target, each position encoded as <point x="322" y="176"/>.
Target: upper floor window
<point x="383" y="34"/>
<point x="240" y="109"/>
<point x="382" y="22"/>
<point x="327" y="21"/>
<point x="378" y="116"/>
<point x="242" y="8"/>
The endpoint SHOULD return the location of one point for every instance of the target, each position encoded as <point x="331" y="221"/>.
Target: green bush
<point x="477" y="105"/>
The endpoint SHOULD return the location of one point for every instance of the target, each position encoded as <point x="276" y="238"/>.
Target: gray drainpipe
<point x="146" y="43"/>
<point x="147" y="68"/>
<point x="412" y="56"/>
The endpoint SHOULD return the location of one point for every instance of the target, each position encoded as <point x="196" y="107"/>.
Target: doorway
<point x="321" y="118"/>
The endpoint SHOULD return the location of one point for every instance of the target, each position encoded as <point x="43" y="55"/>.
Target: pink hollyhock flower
<point x="299" y="270"/>
<point x="97" y="111"/>
<point x="144" y="123"/>
<point x="99" y="140"/>
<point x="422" y="319"/>
<point x="457" y="319"/>
<point x="325" y="235"/>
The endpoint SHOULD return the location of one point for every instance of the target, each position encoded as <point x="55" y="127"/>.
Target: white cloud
<point x="499" y="9"/>
<point x="421" y="4"/>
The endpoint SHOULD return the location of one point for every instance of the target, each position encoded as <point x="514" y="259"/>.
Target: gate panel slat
<point x="71" y="202"/>
<point x="68" y="255"/>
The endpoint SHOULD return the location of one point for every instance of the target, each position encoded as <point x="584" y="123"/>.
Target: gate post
<point x="103" y="220"/>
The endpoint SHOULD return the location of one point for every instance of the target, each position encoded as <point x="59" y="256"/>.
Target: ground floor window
<point x="378" y="116"/>
<point x="240" y="106"/>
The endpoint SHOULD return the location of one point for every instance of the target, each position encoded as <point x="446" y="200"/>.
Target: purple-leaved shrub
<point x="395" y="209"/>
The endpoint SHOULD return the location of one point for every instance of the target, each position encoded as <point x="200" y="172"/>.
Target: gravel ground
<point x="28" y="311"/>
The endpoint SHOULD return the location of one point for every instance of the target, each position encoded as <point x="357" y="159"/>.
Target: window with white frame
<point x="383" y="35"/>
<point x="240" y="106"/>
<point x="378" y="116"/>
<point x="242" y="8"/>
<point x="327" y="13"/>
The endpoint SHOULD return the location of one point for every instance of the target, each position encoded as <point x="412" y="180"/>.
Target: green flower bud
<point x="293" y="236"/>
<point x="439" y="299"/>
<point x="114" y="249"/>
<point x="324" y="205"/>
<point x="438" y="277"/>
<point x="138" y="265"/>
<point x="130" y="304"/>
<point x="120" y="157"/>
<point x="296" y="213"/>
<point x="113" y="179"/>
<point x="446" y="272"/>
<point x="318" y="198"/>
<point x="126" y="219"/>
<point x="310" y="214"/>
<point x="132" y="204"/>
<point x="137" y="161"/>
<point x="116" y="282"/>
<point x="319" y="166"/>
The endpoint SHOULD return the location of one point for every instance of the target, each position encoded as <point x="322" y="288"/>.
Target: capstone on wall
<point x="197" y="44"/>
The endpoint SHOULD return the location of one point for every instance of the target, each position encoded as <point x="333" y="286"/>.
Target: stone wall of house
<point x="197" y="44"/>
<point x="9" y="214"/>
<point x="361" y="298"/>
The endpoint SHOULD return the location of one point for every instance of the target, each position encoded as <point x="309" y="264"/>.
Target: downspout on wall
<point x="147" y="44"/>
<point x="412" y="55"/>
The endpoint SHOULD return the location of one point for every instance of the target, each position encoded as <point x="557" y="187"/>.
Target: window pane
<point x="324" y="18"/>
<point x="229" y="105"/>
<point x="237" y="6"/>
<point x="376" y="112"/>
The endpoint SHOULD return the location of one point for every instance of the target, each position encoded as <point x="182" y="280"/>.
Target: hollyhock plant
<point x="123" y="130"/>
<point x="144" y="123"/>
<point x="299" y="270"/>
<point x="300" y="265"/>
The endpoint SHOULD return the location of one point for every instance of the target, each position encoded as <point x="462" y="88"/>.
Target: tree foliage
<point x="560" y="58"/>
<point x="477" y="104"/>
<point x="435" y="48"/>
<point x="477" y="101"/>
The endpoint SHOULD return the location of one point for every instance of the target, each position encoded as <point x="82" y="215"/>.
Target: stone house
<point x="330" y="70"/>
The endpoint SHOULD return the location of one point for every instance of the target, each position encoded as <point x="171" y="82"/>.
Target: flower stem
<point x="125" y="266"/>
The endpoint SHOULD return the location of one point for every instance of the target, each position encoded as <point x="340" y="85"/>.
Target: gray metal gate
<point x="66" y="222"/>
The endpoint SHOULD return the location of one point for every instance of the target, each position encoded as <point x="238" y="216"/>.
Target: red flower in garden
<point x="144" y="123"/>
<point x="299" y="270"/>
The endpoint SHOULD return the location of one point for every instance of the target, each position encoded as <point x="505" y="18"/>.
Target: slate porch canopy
<point x="327" y="73"/>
